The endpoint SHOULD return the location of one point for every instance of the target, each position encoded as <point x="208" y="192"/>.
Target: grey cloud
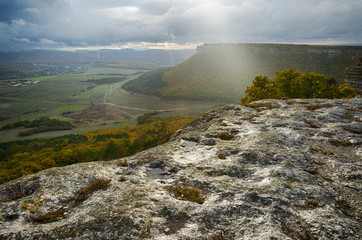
<point x="92" y="22"/>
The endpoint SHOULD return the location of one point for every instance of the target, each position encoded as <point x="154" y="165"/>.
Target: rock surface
<point x="278" y="169"/>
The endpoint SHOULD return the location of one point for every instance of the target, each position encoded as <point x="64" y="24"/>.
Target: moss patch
<point x="343" y="206"/>
<point x="313" y="171"/>
<point x="19" y="190"/>
<point x="220" y="236"/>
<point x="187" y="193"/>
<point x="351" y="118"/>
<point x="48" y="217"/>
<point x="81" y="195"/>
<point x="262" y="106"/>
<point x="224" y="136"/>
<point x="342" y="143"/>
<point x="327" y="134"/>
<point x="352" y="130"/>
<point x="94" y="185"/>
<point x="122" y="163"/>
<point x="292" y="231"/>
<point x="313" y="124"/>
<point x="11" y="217"/>
<point x="318" y="106"/>
<point x="122" y="179"/>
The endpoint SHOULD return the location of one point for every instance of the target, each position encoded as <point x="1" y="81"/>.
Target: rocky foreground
<point x="288" y="169"/>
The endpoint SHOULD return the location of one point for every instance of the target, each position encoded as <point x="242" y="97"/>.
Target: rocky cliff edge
<point x="277" y="169"/>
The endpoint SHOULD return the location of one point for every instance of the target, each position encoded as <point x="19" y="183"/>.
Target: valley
<point x="90" y="100"/>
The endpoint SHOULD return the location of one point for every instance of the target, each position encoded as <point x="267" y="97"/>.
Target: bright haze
<point x="175" y="24"/>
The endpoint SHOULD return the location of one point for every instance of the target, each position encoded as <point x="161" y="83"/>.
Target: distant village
<point x="35" y="70"/>
<point x="19" y="83"/>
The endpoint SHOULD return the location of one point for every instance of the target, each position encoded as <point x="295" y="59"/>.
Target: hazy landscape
<point x="73" y="97"/>
<point x="166" y="120"/>
<point x="122" y="85"/>
<point x="91" y="97"/>
<point x="221" y="72"/>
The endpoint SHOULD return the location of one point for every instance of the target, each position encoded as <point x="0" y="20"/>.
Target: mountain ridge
<point x="222" y="72"/>
<point x="122" y="57"/>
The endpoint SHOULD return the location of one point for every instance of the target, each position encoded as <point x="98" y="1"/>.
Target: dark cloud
<point x="9" y="9"/>
<point x="27" y="24"/>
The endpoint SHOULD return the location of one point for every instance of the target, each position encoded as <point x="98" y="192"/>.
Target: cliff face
<point x="222" y="72"/>
<point x="353" y="75"/>
<point x="331" y="51"/>
<point x="274" y="170"/>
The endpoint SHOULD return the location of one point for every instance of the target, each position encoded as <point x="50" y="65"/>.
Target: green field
<point x="66" y="108"/>
<point x="108" y="71"/>
<point x="55" y="95"/>
<point x="57" y="91"/>
<point x="42" y="78"/>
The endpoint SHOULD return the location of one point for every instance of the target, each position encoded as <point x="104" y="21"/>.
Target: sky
<point x="175" y="24"/>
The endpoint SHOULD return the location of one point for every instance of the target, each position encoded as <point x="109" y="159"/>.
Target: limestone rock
<point x="290" y="170"/>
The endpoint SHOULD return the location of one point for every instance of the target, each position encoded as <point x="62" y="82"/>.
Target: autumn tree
<point x="295" y="84"/>
<point x="30" y="156"/>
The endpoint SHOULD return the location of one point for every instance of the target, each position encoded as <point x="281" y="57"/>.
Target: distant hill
<point x="149" y="83"/>
<point x="116" y="58"/>
<point x="222" y="72"/>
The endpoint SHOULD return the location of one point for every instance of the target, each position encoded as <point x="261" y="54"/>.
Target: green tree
<point x="284" y="81"/>
<point x="262" y="88"/>
<point x="294" y="84"/>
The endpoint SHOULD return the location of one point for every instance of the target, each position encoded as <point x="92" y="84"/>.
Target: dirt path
<point x="125" y="92"/>
<point x="133" y="108"/>
<point x="115" y="105"/>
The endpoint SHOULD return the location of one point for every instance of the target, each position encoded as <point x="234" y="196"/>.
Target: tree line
<point x="26" y="157"/>
<point x="40" y="125"/>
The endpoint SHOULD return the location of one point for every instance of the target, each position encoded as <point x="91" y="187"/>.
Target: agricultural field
<point x="90" y="100"/>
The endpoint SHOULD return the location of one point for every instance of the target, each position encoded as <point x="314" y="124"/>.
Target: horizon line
<point x="177" y="47"/>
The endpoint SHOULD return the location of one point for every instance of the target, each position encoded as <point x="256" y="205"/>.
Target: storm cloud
<point x="62" y="24"/>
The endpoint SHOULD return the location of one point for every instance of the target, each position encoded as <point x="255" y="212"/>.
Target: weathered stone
<point x="209" y="142"/>
<point x="294" y="175"/>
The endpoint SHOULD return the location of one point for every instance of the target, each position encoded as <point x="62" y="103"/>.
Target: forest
<point x="20" y="158"/>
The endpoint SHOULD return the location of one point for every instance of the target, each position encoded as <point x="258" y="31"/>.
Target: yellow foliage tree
<point x="295" y="84"/>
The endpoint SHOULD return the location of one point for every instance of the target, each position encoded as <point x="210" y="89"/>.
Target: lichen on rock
<point x="277" y="169"/>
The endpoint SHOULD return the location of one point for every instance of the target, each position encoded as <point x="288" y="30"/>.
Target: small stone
<point x="209" y="142"/>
